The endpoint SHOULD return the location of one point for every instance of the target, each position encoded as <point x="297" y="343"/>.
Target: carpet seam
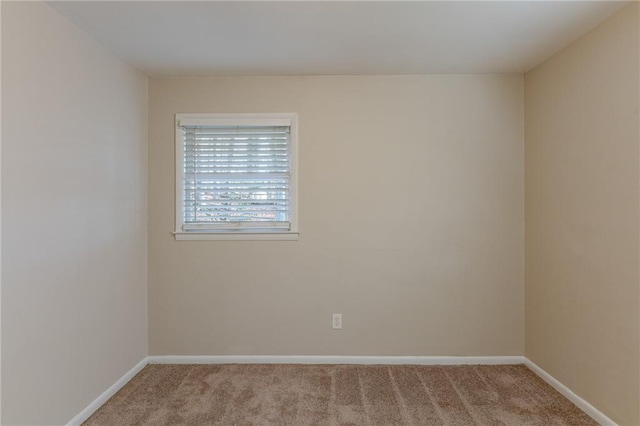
<point x="399" y="398"/>
<point x="488" y="385"/>
<point x="367" y="415"/>
<point x="481" y="409"/>
<point x="434" y="402"/>
<point x="465" y="403"/>
<point x="227" y="413"/>
<point x="544" y="408"/>
<point x="332" y="397"/>
<point x="182" y="382"/>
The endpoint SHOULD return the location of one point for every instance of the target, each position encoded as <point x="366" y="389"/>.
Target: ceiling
<point x="325" y="37"/>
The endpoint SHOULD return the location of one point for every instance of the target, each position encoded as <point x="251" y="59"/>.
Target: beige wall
<point x="74" y="315"/>
<point x="582" y="217"/>
<point x="411" y="221"/>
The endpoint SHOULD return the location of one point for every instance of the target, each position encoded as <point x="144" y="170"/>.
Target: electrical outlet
<point x="336" y="321"/>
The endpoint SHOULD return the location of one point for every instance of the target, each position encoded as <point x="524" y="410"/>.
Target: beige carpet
<point x="337" y="395"/>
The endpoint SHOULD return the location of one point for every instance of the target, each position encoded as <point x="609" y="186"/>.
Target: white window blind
<point x="236" y="175"/>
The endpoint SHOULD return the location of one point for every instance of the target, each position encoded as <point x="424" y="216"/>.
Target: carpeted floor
<point x="337" y="395"/>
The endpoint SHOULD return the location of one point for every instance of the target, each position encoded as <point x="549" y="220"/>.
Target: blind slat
<point x="249" y="177"/>
<point x="254" y="225"/>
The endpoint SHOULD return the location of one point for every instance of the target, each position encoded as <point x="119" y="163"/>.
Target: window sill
<point x="236" y="236"/>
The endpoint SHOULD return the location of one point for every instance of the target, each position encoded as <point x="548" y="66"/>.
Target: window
<point x="236" y="176"/>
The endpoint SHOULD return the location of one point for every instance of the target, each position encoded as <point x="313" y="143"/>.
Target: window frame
<point x="236" y="119"/>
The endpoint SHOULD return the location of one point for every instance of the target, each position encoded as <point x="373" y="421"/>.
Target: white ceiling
<point x="284" y="38"/>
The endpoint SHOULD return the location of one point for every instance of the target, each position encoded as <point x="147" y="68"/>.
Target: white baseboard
<point x="99" y="401"/>
<point x="592" y="411"/>
<point x="308" y="359"/>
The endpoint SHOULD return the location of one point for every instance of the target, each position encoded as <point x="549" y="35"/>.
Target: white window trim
<point x="239" y="119"/>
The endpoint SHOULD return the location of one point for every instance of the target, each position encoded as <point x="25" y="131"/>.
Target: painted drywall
<point x="74" y="243"/>
<point x="582" y="217"/>
<point x="411" y="222"/>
